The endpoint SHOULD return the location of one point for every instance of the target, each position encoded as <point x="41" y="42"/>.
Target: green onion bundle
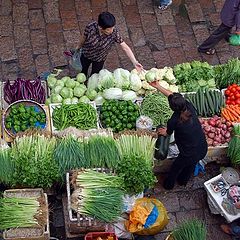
<point x="18" y="212"/>
<point x="192" y="229"/>
<point x="69" y="154"/>
<point x="7" y="166"/>
<point x="92" y="179"/>
<point x="104" y="204"/>
<point x="137" y="145"/>
<point x="101" y="151"/>
<point x="34" y="162"/>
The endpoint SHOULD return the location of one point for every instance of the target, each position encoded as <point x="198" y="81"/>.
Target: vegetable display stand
<point x="100" y="236"/>
<point x="28" y="233"/>
<point x="9" y="138"/>
<point x="78" y="224"/>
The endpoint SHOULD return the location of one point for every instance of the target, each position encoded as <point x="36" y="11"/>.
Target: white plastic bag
<point x="75" y="60"/>
<point x="144" y="122"/>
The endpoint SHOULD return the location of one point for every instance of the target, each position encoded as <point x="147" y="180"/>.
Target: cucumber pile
<point x="207" y="102"/>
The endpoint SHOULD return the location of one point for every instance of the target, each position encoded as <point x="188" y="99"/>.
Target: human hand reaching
<point x="162" y="131"/>
<point x="138" y="66"/>
<point x="154" y="84"/>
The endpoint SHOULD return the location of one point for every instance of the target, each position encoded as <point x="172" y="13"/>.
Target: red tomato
<point x="233" y="103"/>
<point x="233" y="89"/>
<point x="237" y="95"/>
<point x="227" y="92"/>
<point x="231" y="94"/>
<point x="238" y="88"/>
<point x="234" y="85"/>
<point x="232" y="97"/>
<point x="228" y="102"/>
<point x="237" y="101"/>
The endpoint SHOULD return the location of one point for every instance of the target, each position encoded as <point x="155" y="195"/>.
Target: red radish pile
<point x="217" y="130"/>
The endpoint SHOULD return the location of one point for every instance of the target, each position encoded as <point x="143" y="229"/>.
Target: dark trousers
<point x="220" y="33"/>
<point x="96" y="66"/>
<point x="183" y="167"/>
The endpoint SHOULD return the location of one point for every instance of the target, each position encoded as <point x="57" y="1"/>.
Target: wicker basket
<point x="25" y="103"/>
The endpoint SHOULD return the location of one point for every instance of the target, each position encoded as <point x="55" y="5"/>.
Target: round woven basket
<point x="25" y="103"/>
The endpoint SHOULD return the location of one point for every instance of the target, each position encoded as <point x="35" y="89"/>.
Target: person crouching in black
<point x="189" y="137"/>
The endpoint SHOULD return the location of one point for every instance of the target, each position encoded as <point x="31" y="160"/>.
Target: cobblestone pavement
<point x="34" y="34"/>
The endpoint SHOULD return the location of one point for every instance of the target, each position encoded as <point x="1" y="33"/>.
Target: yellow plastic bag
<point x="148" y="217"/>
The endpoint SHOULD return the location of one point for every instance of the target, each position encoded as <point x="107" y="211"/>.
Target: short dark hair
<point x="106" y="20"/>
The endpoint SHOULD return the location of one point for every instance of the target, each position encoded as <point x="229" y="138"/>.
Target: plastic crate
<point x="103" y="235"/>
<point x="30" y="233"/>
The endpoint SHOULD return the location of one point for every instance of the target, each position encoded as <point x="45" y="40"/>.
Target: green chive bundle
<point x="7" y="167"/>
<point x="101" y="151"/>
<point x="69" y="154"/>
<point x="192" y="229"/>
<point x="137" y="145"/>
<point x="18" y="212"/>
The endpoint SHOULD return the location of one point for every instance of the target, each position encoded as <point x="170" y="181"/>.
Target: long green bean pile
<point x="82" y="116"/>
<point x="18" y="212"/>
<point x="156" y="107"/>
<point x="93" y="179"/>
<point x="101" y="151"/>
<point x="136" y="145"/>
<point x="192" y="229"/>
<point x="104" y="204"/>
<point x="69" y="154"/>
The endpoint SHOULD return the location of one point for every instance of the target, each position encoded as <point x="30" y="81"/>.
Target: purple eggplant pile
<point x="24" y="89"/>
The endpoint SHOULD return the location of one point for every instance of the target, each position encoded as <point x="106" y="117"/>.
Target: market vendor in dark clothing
<point x="97" y="41"/>
<point x="189" y="137"/>
<point x="230" y="17"/>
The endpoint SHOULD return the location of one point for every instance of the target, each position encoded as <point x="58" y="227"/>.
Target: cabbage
<point x="91" y="94"/>
<point x="65" y="92"/>
<point x="84" y="99"/>
<point x="151" y="76"/>
<point x="141" y="92"/>
<point x="81" y="77"/>
<point x="92" y="83"/>
<point x="99" y="99"/>
<point x="74" y="100"/>
<point x="77" y="84"/>
<point x="70" y="83"/>
<point x="51" y="81"/>
<point x="122" y="78"/>
<point x="65" y="79"/>
<point x="56" y="98"/>
<point x="169" y="76"/>
<point x="173" y="88"/>
<point x="59" y="83"/>
<point x="129" y="95"/>
<point x="146" y="86"/>
<point x="112" y="93"/>
<point x="164" y="84"/>
<point x="57" y="89"/>
<point x="79" y="91"/>
<point x="70" y="93"/>
<point x="67" y="101"/>
<point x="106" y="80"/>
<point x="135" y="82"/>
<point x="48" y="101"/>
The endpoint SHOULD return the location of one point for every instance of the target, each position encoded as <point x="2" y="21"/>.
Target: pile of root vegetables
<point x="217" y="130"/>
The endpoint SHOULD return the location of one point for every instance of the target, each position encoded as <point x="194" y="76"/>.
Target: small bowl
<point x="37" y="107"/>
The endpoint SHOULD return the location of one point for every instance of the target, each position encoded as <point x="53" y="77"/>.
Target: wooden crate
<point x="33" y="233"/>
<point x="8" y="138"/>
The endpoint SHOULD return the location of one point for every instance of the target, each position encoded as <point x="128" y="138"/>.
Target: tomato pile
<point x="232" y="94"/>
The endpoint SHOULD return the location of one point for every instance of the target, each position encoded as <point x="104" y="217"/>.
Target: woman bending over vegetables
<point x="188" y="134"/>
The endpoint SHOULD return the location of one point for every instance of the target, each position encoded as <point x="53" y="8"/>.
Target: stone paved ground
<point x="34" y="34"/>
